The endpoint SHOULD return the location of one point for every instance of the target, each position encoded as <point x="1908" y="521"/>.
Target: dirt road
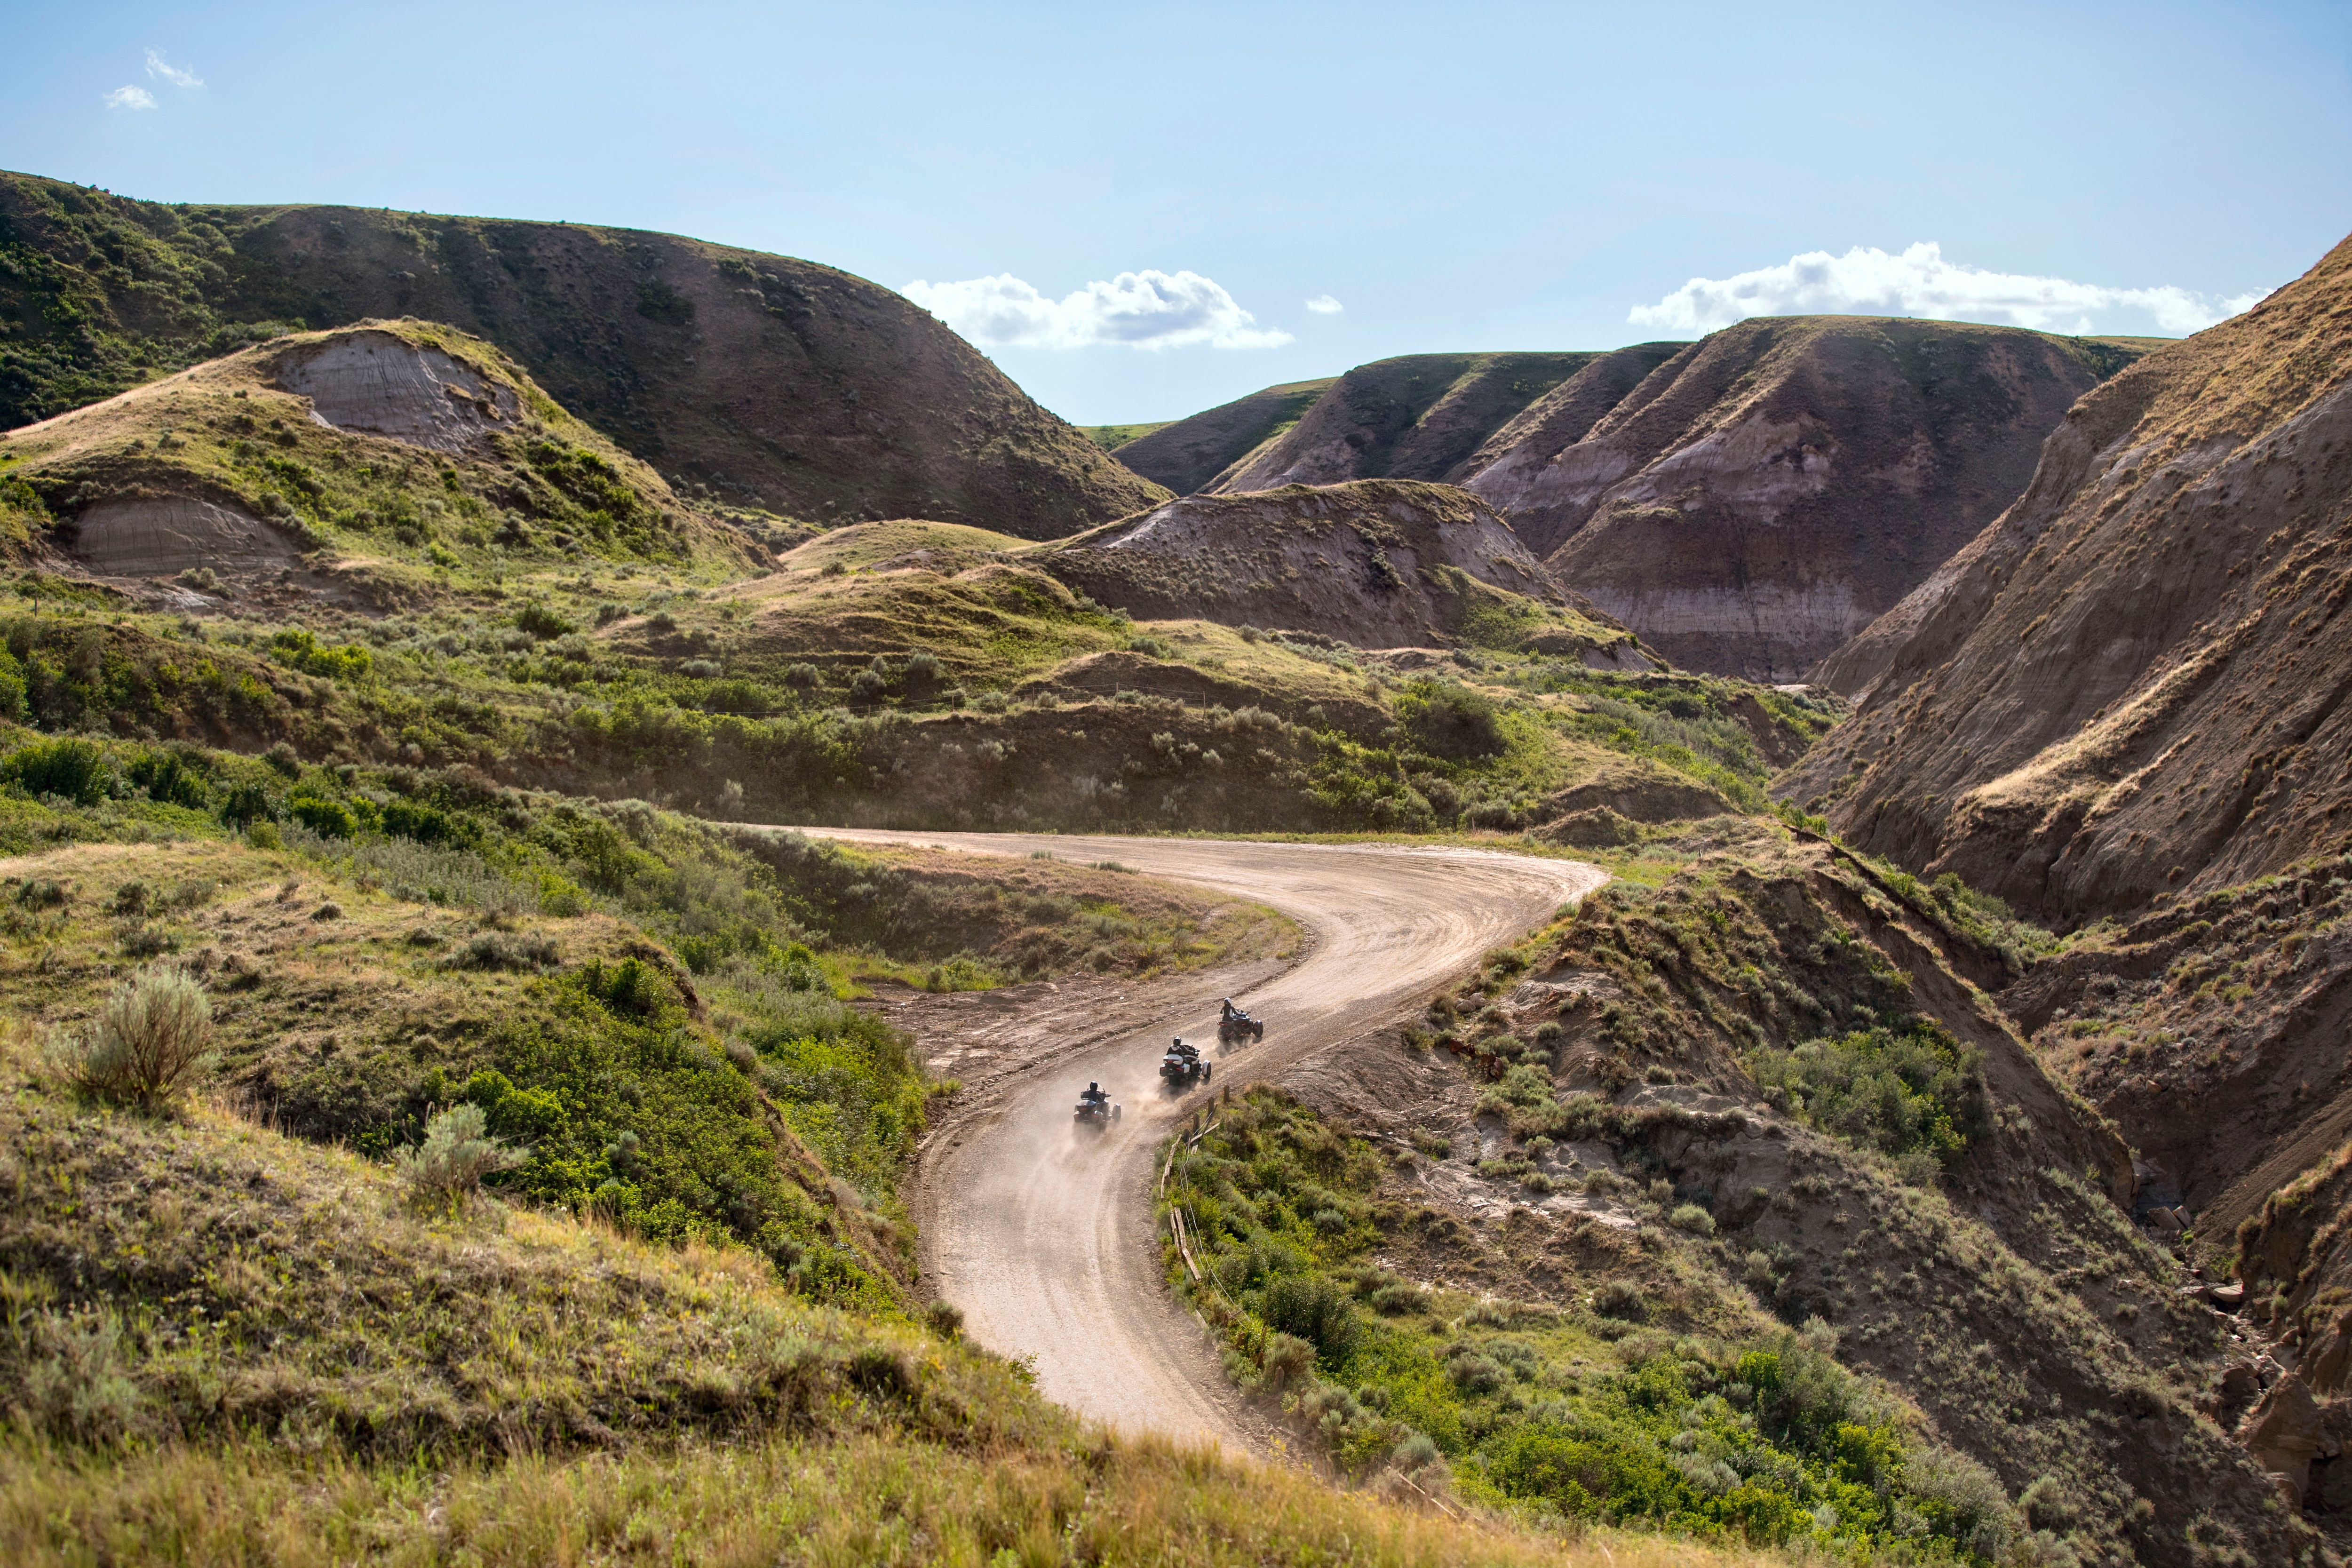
<point x="1045" y="1237"/>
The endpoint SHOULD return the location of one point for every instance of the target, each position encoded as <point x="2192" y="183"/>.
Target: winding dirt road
<point x="1045" y="1237"/>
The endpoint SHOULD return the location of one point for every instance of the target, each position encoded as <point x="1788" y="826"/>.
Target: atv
<point x="1182" y="1068"/>
<point x="1095" y="1108"/>
<point x="1237" y="1025"/>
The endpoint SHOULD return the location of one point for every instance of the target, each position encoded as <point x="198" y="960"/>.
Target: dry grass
<point x="865" y="1501"/>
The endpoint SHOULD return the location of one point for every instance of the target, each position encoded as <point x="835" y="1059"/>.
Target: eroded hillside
<point x="1660" y="1196"/>
<point x="764" y="379"/>
<point x="1760" y="497"/>
<point x="2132" y="684"/>
<point x="1379" y="564"/>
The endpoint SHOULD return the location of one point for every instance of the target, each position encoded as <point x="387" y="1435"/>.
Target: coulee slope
<point x="2123" y="707"/>
<point x="770" y="380"/>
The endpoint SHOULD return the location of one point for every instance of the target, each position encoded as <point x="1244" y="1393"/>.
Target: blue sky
<point x="1074" y="180"/>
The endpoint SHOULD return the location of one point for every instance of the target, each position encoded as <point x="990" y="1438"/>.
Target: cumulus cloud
<point x="1867" y="281"/>
<point x="1147" y="310"/>
<point x="163" y="70"/>
<point x="129" y="98"/>
<point x="1324" y="305"/>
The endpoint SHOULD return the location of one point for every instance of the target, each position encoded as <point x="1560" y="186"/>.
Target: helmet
<point x="1093" y="1089"/>
<point x="1180" y="1039"/>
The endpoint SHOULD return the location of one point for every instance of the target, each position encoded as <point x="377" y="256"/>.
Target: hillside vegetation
<point x="514" y="1385"/>
<point x="758" y="381"/>
<point x="1728" y="1202"/>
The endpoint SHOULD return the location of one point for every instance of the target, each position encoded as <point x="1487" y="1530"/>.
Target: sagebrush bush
<point x="150" y="1040"/>
<point x="457" y="1153"/>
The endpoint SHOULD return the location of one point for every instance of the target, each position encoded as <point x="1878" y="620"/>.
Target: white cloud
<point x="1324" y="305"/>
<point x="1146" y="310"/>
<point x="1920" y="282"/>
<point x="162" y="70"/>
<point x="129" y="98"/>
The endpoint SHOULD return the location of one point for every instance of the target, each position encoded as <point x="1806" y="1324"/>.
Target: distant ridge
<point x="1419" y="417"/>
<point x="1188" y="454"/>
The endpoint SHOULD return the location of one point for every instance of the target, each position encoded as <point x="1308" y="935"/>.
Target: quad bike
<point x="1237" y="1025"/>
<point x="1095" y="1108"/>
<point x="1182" y="1068"/>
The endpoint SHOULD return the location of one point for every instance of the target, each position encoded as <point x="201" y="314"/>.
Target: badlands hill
<point x="1375" y="562"/>
<point x="1760" y="496"/>
<point x="2133" y="683"/>
<point x="1420" y="417"/>
<point x="2121" y="707"/>
<point x="769" y="381"/>
<point x="1188" y="454"/>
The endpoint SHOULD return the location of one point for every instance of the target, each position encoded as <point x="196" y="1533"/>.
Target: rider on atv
<point x="1095" y="1108"/>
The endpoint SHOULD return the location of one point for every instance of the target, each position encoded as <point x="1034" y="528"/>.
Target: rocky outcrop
<point x="387" y="385"/>
<point x="1375" y="563"/>
<point x="1419" y="417"/>
<point x="1761" y="496"/>
<point x="2134" y="682"/>
<point x="161" y="535"/>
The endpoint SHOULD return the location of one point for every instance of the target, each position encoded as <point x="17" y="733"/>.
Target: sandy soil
<point x="1044" y="1237"/>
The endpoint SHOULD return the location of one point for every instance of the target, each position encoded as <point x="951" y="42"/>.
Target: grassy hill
<point x="756" y="380"/>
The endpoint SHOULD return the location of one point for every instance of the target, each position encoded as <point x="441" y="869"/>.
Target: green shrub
<point x="69" y="768"/>
<point x="327" y="818"/>
<point x="299" y="648"/>
<point x="457" y="1155"/>
<point x="1901" y="1088"/>
<point x="542" y="622"/>
<point x="148" y="1041"/>
<point x="1449" y="719"/>
<point x="1317" y="1309"/>
<point x="1691" y="1219"/>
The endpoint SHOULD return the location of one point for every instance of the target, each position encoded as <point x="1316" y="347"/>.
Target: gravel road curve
<point x="1044" y="1237"/>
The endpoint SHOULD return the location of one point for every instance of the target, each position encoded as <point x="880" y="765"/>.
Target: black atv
<point x="1182" y="1068"/>
<point x="1095" y="1108"/>
<point x="1237" y="1025"/>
